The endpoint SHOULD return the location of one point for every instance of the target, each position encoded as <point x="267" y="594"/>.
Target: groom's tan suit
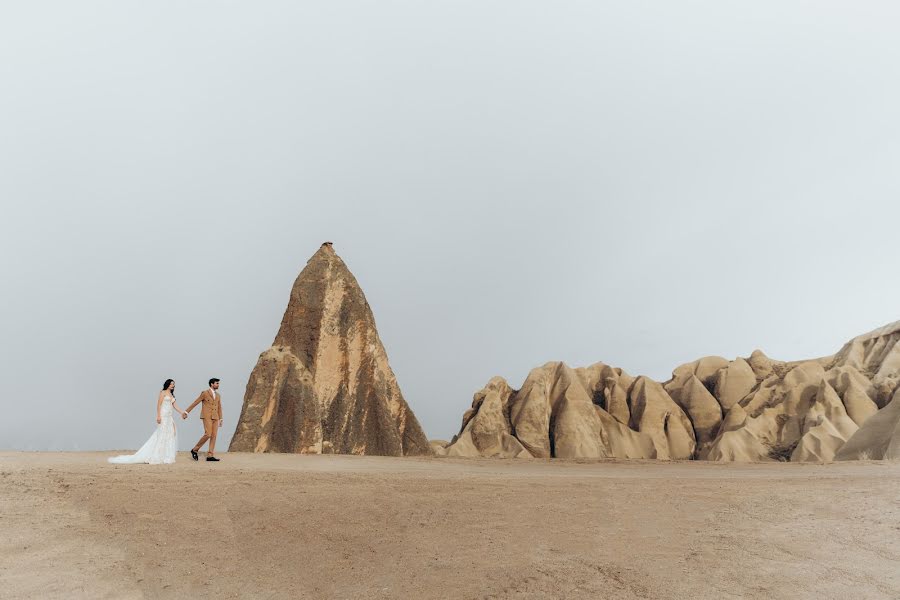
<point x="211" y="413"/>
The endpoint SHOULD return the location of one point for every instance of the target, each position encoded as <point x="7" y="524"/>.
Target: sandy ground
<point x="284" y="526"/>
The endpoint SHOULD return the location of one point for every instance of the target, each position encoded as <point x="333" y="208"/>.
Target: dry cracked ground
<point x="290" y="526"/>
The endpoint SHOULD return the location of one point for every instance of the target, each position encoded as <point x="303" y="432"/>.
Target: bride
<point x="163" y="444"/>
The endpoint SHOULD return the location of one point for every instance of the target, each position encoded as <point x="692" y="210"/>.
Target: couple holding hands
<point x="162" y="446"/>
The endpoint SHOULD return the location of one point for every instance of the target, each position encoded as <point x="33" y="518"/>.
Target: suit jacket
<point x="212" y="406"/>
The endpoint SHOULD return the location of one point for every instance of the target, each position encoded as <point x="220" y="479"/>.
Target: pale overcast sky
<point x="639" y="183"/>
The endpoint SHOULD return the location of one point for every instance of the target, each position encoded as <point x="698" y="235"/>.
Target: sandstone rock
<point x="326" y="386"/>
<point x="530" y="413"/>
<point x="267" y="421"/>
<point x="878" y="353"/>
<point x="763" y="367"/>
<point x="439" y="447"/>
<point x="735" y="441"/>
<point x="805" y="410"/>
<point x="623" y="442"/>
<point x="616" y="400"/>
<point x="858" y="403"/>
<point x="576" y="429"/>
<point x="654" y="413"/>
<point x="826" y="427"/>
<point x="487" y="432"/>
<point x="777" y="406"/>
<point x="819" y="443"/>
<point x="704" y="369"/>
<point x="734" y="420"/>
<point x="704" y="412"/>
<point x="856" y="392"/>
<point x="553" y="415"/>
<point x="491" y="423"/>
<point x="462" y="445"/>
<point x="738" y="446"/>
<point x="828" y="404"/>
<point x="878" y="438"/>
<point x="733" y="382"/>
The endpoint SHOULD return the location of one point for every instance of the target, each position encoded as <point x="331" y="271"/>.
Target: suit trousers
<point x="210" y="429"/>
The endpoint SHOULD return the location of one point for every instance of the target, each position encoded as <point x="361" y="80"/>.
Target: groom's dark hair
<point x="213" y="380"/>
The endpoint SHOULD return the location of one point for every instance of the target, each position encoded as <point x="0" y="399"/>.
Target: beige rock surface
<point x="486" y="426"/>
<point x="653" y="412"/>
<point x="856" y="392"/>
<point x="616" y="400"/>
<point x="556" y="414"/>
<point x="705" y="368"/>
<point x="819" y="443"/>
<point x="736" y="440"/>
<point x="704" y="411"/>
<point x="748" y="410"/>
<point x="826" y="427"/>
<point x="878" y="438"/>
<point x="762" y="365"/>
<point x="325" y="385"/>
<point x="530" y="411"/>
<point x="733" y="382"/>
<point x="439" y="447"/>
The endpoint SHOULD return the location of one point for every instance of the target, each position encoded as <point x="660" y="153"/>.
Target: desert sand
<point x="325" y="526"/>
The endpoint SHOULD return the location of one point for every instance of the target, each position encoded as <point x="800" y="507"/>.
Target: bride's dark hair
<point x="167" y="384"/>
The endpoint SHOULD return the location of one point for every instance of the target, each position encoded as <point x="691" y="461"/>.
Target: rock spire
<point x="325" y="385"/>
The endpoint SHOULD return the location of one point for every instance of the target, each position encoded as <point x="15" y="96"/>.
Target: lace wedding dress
<point x="162" y="445"/>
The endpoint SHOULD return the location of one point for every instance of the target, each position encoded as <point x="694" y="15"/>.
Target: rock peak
<point x="325" y="252"/>
<point x="883" y="331"/>
<point x="325" y="385"/>
<point x="324" y="292"/>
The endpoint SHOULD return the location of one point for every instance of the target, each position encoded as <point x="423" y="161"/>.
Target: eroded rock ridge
<point x="840" y="407"/>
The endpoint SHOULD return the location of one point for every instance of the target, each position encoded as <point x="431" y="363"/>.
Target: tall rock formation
<point x="325" y="385"/>
<point x="753" y="409"/>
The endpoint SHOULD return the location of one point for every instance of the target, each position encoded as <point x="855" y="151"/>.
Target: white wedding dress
<point x="162" y="445"/>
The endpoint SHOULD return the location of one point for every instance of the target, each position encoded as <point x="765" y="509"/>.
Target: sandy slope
<point x="287" y="526"/>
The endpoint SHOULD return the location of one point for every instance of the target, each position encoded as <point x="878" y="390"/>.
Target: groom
<point x="211" y="413"/>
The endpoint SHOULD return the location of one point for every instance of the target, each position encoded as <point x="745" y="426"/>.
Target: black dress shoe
<point x="212" y="459"/>
<point x="194" y="455"/>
